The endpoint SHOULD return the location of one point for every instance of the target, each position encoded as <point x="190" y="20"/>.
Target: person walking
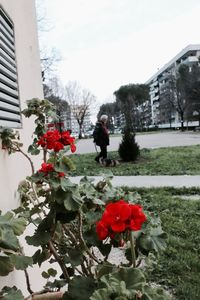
<point x="101" y="137"/>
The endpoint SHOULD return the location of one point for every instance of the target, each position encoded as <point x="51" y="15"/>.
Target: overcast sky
<point x="108" y="43"/>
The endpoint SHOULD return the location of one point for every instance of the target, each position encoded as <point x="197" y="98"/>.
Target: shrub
<point x="128" y="149"/>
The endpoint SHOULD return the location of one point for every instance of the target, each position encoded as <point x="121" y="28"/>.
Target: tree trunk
<point x="182" y="121"/>
<point x="80" y="132"/>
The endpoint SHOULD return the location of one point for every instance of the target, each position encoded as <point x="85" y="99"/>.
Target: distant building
<point x="65" y="118"/>
<point x="188" y="55"/>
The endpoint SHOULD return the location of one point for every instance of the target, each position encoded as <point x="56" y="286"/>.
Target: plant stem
<point x="60" y="261"/>
<point x="132" y="240"/>
<point x="31" y="163"/>
<point x="28" y="284"/>
<point x="83" y="241"/>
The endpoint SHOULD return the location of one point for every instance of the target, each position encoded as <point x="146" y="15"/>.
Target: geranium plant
<point x="77" y="226"/>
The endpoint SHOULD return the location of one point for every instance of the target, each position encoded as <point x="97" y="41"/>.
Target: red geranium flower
<point x="49" y="139"/>
<point x="58" y="146"/>
<point x="73" y="148"/>
<point x="46" y="168"/>
<point x="137" y="217"/>
<point x="61" y="174"/>
<point x="65" y="137"/>
<point x="118" y="217"/>
<point x="102" y="230"/>
<point x="54" y="140"/>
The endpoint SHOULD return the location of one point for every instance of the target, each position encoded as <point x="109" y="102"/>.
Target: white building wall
<point x="14" y="168"/>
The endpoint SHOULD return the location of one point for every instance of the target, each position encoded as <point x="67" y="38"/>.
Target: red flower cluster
<point x="47" y="168"/>
<point x="54" y="140"/>
<point x="118" y="217"/>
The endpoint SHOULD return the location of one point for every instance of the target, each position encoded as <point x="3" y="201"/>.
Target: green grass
<point x="163" y="161"/>
<point x="178" y="266"/>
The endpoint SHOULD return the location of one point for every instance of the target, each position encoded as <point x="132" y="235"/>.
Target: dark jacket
<point x="100" y="135"/>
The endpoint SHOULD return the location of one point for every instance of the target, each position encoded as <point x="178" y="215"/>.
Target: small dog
<point x="107" y="162"/>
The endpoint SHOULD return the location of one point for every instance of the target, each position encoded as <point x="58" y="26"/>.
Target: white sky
<point x="108" y="43"/>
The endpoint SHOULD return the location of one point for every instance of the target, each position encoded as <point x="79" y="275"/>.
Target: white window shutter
<point x="9" y="96"/>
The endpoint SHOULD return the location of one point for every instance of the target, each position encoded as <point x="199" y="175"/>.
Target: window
<point x="9" y="96"/>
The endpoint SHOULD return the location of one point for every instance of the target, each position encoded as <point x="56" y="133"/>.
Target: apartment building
<point x="188" y="55"/>
<point x="20" y="80"/>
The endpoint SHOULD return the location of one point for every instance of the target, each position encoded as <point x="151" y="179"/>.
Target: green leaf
<point x="101" y="294"/>
<point x="17" y="224"/>
<point x="52" y="272"/>
<point x="66" y="184"/>
<point x="47" y="223"/>
<point x="11" y="294"/>
<point x="21" y="262"/>
<point x="81" y="288"/>
<point x="123" y="284"/>
<point x="92" y="216"/>
<point x="33" y="150"/>
<point x="56" y="284"/>
<point x="8" y="240"/>
<point x="105" y="268"/>
<point x="150" y="293"/>
<point x="38" y="239"/>
<point x="134" y="278"/>
<point x="40" y="256"/>
<point x="105" y="248"/>
<point x="154" y="240"/>
<point x="54" y="183"/>
<point x="75" y="257"/>
<point x="72" y="201"/>
<point x="67" y="164"/>
<point x="86" y="179"/>
<point x="45" y="275"/>
<point x="6" y="266"/>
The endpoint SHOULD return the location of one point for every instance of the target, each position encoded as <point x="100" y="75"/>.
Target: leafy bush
<point x="75" y="226"/>
<point x="128" y="149"/>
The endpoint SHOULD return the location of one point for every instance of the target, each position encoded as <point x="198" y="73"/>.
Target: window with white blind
<point x="9" y="96"/>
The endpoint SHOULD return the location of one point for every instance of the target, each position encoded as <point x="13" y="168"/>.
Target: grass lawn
<point x="178" y="266"/>
<point x="163" y="161"/>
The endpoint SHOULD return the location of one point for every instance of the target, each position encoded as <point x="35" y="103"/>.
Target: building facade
<point x="158" y="84"/>
<point x="20" y="80"/>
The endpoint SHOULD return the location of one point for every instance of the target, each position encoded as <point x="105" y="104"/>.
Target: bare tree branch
<point x="81" y="102"/>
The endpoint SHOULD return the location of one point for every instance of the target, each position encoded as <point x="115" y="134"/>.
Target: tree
<point x="112" y="111"/>
<point x="53" y="91"/>
<point x="128" y="149"/>
<point x="193" y="112"/>
<point x="80" y="100"/>
<point x="129" y="97"/>
<point x="166" y="103"/>
<point x="179" y="84"/>
<point x="49" y="57"/>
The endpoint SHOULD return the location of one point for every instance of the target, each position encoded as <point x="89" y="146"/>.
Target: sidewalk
<point x="149" y="181"/>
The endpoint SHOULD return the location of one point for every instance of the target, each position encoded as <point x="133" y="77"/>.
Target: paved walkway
<point x="151" y="141"/>
<point x="149" y="181"/>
